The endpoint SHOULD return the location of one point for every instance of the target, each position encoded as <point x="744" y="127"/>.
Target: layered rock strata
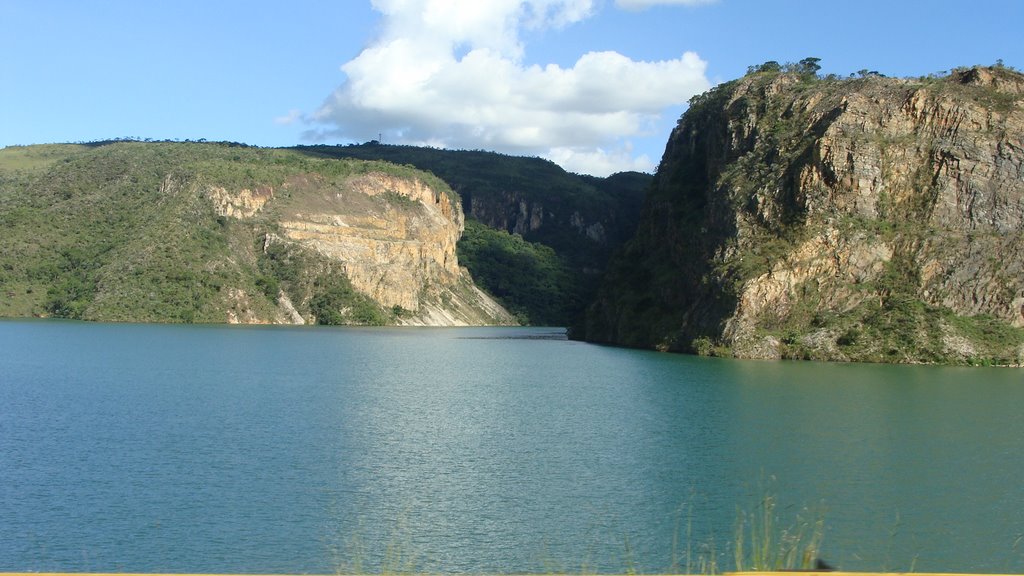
<point x="394" y="237"/>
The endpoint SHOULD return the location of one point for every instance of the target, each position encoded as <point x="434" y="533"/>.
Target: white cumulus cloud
<point x="451" y="73"/>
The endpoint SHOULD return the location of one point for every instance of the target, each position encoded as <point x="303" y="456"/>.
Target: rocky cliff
<point x="862" y="219"/>
<point x="207" y="232"/>
<point x="583" y="219"/>
<point x="396" y="238"/>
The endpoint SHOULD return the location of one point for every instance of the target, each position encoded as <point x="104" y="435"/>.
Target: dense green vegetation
<point x="528" y="278"/>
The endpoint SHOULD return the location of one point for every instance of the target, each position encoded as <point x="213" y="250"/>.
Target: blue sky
<point x="595" y="85"/>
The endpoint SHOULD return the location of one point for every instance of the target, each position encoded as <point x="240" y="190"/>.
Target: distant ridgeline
<point x="866" y="219"/>
<point x="537" y="237"/>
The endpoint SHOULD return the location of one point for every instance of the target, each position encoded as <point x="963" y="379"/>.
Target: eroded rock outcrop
<point x="244" y="203"/>
<point x="869" y="219"/>
<point x="393" y="236"/>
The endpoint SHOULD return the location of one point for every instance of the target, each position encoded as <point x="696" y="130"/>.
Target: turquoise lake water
<point x="299" y="450"/>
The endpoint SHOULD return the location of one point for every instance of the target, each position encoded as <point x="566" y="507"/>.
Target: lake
<point x="150" y="448"/>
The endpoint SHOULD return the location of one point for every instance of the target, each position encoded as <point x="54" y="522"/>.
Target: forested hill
<point x="795" y="216"/>
<point x="569" y="224"/>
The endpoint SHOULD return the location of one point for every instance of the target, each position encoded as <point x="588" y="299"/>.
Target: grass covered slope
<point x="864" y="219"/>
<point x="131" y="231"/>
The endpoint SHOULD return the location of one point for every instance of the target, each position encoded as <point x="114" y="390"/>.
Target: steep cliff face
<point x="392" y="235"/>
<point x="583" y="218"/>
<point x="870" y="219"/>
<point x="394" y="238"/>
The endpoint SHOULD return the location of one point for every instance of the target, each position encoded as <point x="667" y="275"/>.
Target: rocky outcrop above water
<point x="868" y="219"/>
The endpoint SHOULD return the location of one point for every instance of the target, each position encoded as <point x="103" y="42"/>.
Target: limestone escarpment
<point x="393" y="235"/>
<point x="582" y="218"/>
<point x="869" y="219"/>
<point x="394" y="239"/>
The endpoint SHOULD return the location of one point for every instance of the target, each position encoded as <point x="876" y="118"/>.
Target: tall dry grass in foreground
<point x="762" y="544"/>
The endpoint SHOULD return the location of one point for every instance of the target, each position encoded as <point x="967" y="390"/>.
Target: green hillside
<point x="528" y="278"/>
<point x="122" y="232"/>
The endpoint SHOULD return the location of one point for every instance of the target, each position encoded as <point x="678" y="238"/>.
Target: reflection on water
<point x="220" y="449"/>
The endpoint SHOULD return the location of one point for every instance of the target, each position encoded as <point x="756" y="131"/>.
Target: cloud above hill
<point x="451" y="73"/>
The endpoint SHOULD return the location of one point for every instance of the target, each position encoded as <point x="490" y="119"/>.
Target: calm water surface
<point x="224" y="449"/>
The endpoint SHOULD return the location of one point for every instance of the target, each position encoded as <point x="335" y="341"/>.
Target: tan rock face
<point x="940" y="163"/>
<point x="942" y="170"/>
<point x="245" y="203"/>
<point x="393" y="235"/>
<point x="396" y="238"/>
<point x="830" y="265"/>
